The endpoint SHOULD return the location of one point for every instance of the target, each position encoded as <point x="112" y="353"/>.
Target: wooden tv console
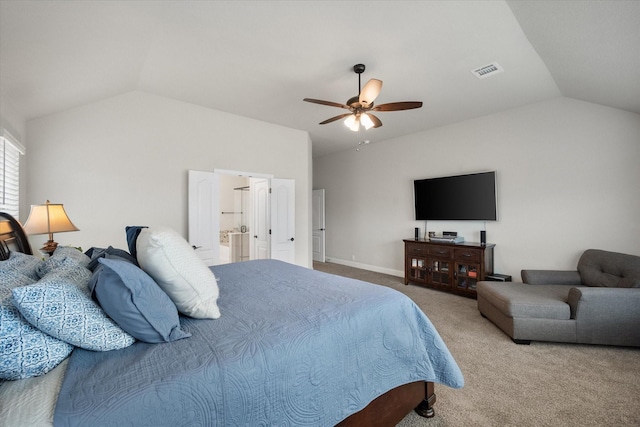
<point x="450" y="267"/>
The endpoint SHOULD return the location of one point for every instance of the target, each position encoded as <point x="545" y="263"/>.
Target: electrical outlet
<point x="353" y="257"/>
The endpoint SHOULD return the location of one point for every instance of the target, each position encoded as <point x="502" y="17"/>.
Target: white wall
<point x="568" y="174"/>
<point x="124" y="161"/>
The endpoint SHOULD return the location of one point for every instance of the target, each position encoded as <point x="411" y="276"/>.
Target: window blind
<point x="10" y="151"/>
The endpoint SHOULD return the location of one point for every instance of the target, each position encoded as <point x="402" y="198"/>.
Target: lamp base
<point x="49" y="247"/>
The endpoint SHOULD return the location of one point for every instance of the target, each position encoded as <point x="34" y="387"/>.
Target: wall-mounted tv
<point x="460" y="197"/>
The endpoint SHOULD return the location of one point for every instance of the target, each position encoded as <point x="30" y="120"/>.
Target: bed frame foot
<point x="425" y="408"/>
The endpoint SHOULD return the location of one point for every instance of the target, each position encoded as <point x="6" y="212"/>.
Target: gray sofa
<point x="599" y="303"/>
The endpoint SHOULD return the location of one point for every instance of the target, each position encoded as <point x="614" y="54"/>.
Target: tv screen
<point x="461" y="197"/>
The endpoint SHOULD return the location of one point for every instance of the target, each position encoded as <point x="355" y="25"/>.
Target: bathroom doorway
<point x="236" y="216"/>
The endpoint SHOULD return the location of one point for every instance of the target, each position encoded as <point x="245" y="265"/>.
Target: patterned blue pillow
<point x="66" y="312"/>
<point x="64" y="258"/>
<point x="65" y="268"/>
<point x="24" y="350"/>
<point x="71" y="253"/>
<point x="22" y="263"/>
<point x="10" y="279"/>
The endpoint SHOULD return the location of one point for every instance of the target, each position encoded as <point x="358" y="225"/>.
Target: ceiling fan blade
<point x="329" y="103"/>
<point x="370" y="92"/>
<point x="376" y="121"/>
<point x="397" y="106"/>
<point x="333" y="119"/>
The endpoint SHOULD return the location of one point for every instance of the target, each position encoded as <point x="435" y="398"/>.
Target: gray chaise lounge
<point x="597" y="304"/>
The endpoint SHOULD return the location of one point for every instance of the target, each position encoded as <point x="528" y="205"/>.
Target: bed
<point x="292" y="346"/>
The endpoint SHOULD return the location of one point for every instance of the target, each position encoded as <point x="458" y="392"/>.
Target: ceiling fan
<point x="361" y="105"/>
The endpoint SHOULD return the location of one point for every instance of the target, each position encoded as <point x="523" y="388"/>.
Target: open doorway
<point x="235" y="218"/>
<point x="229" y="222"/>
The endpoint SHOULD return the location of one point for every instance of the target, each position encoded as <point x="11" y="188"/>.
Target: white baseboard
<point x="389" y="271"/>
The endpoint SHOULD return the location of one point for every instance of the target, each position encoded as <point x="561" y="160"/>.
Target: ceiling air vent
<point x="487" y="70"/>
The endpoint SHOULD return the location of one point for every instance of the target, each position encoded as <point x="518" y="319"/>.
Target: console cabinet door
<point x="417" y="268"/>
<point x="468" y="269"/>
<point x="466" y="276"/>
<point x="440" y="273"/>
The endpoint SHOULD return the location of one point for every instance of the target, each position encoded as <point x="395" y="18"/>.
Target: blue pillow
<point x="67" y="267"/>
<point x="22" y="263"/>
<point x="96" y="253"/>
<point x="67" y="312"/>
<point x="132" y="232"/>
<point x="136" y="302"/>
<point x="72" y="253"/>
<point x="24" y="350"/>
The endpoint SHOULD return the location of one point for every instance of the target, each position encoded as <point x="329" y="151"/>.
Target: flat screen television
<point x="461" y="197"/>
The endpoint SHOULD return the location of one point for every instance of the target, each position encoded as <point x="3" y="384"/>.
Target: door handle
<point x="292" y="239"/>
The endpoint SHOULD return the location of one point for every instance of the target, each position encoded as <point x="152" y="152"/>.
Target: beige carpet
<point x="542" y="384"/>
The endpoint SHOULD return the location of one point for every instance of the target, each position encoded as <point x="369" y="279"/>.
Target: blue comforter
<point x="293" y="347"/>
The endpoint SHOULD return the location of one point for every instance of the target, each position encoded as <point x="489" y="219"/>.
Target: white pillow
<point x="167" y="257"/>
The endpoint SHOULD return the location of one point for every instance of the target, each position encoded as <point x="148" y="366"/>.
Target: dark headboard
<point x="12" y="237"/>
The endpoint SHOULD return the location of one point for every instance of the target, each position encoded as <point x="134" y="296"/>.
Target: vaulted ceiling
<point x="260" y="59"/>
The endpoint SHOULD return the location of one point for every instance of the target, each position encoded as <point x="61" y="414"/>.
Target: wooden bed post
<point x="425" y="408"/>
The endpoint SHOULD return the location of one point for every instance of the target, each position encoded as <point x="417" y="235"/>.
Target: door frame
<point x="318" y="230"/>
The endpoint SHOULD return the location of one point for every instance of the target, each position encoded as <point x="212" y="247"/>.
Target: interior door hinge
<point x="269" y="231"/>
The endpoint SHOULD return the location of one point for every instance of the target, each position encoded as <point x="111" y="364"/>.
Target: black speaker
<point x="417" y="233"/>
<point x="498" y="278"/>
<point x="483" y="237"/>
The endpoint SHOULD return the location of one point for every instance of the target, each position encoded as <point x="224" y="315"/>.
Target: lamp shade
<point x="48" y="218"/>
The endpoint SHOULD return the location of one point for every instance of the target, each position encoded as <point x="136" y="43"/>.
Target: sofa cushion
<point x="527" y="301"/>
<point x="609" y="269"/>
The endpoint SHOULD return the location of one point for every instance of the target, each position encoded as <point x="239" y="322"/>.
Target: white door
<point x="318" y="225"/>
<point x="260" y="242"/>
<point x="203" y="208"/>
<point x="283" y="223"/>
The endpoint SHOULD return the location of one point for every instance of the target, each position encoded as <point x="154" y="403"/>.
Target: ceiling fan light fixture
<point x="350" y="121"/>
<point x="366" y="121"/>
<point x="356" y="125"/>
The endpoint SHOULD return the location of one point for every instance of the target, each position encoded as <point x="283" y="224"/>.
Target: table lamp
<point x="48" y="219"/>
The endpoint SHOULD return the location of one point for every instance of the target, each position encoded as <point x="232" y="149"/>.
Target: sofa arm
<point x="606" y="315"/>
<point x="551" y="277"/>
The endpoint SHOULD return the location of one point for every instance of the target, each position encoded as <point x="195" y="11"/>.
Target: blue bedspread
<point x="293" y="347"/>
